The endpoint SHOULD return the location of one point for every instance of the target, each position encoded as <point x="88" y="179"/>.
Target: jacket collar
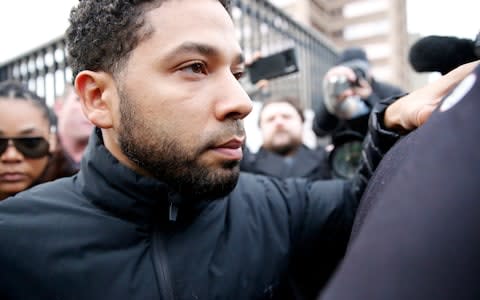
<point x="272" y="164"/>
<point x="116" y="188"/>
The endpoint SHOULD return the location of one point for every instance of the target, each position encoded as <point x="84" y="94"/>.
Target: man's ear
<point x="96" y="90"/>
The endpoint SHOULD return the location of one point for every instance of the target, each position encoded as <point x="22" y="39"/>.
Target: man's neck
<point x="285" y="152"/>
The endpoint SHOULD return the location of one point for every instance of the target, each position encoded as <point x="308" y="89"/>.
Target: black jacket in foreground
<point x="105" y="233"/>
<point x="417" y="232"/>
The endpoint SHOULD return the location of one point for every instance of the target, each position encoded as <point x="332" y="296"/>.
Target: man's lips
<point x="231" y="149"/>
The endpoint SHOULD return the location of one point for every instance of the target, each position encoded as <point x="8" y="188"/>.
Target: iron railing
<point x="261" y="26"/>
<point x="44" y="69"/>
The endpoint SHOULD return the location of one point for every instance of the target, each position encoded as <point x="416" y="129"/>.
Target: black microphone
<point x="441" y="53"/>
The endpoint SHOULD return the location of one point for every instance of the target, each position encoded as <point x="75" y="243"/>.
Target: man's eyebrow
<point x="202" y="49"/>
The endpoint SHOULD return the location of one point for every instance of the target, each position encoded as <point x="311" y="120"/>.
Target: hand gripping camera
<point x="349" y="107"/>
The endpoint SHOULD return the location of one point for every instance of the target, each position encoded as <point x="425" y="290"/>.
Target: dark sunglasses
<point x="30" y="147"/>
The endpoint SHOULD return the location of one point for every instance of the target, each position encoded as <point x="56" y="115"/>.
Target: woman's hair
<point x="16" y="90"/>
<point x="57" y="166"/>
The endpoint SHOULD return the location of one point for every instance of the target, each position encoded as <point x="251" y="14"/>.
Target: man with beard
<point x="283" y="153"/>
<point x="159" y="209"/>
<point x="346" y="110"/>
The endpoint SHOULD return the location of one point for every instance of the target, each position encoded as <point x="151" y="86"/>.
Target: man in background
<point x="283" y="153"/>
<point x="349" y="94"/>
<point x="349" y="82"/>
<point x="73" y="127"/>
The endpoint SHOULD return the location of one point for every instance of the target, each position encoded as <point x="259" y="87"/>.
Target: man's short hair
<point x="293" y="101"/>
<point x="102" y="33"/>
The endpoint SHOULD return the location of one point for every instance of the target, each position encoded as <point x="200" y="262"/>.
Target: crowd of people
<point x="38" y="144"/>
<point x="138" y="183"/>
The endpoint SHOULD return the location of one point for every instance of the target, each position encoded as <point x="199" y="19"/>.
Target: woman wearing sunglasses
<point x="25" y="138"/>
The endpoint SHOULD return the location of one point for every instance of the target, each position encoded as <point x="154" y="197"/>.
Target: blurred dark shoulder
<point x="60" y="165"/>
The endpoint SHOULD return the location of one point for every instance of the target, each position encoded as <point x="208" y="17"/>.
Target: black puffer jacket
<point x="417" y="232"/>
<point x="106" y="233"/>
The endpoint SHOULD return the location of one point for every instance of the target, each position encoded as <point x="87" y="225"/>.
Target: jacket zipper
<point x="161" y="267"/>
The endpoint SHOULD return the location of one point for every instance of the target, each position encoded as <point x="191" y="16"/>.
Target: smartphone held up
<point x="273" y="66"/>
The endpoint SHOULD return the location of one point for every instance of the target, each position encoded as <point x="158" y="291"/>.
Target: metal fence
<point x="44" y="69"/>
<point x="260" y="27"/>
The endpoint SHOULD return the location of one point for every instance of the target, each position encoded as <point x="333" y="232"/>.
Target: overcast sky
<point x="26" y="24"/>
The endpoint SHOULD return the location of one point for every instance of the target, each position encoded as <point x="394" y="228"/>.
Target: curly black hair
<point x="102" y="33"/>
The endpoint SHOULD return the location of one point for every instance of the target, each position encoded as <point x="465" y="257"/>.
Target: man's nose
<point x="279" y="122"/>
<point x="234" y="102"/>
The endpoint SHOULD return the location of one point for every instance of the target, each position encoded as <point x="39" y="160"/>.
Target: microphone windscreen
<point x="441" y="53"/>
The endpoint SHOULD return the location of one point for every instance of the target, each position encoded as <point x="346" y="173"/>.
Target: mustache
<point x="233" y="128"/>
<point x="281" y="130"/>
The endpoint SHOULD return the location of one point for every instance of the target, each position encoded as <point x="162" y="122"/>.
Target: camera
<point x="344" y="108"/>
<point x="339" y="84"/>
<point x="345" y="156"/>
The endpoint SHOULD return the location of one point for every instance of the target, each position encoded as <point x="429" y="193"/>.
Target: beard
<point x="164" y="157"/>
<point x="285" y="146"/>
<point x="283" y="150"/>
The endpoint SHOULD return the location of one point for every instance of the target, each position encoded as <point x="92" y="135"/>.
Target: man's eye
<point x="197" y="68"/>
<point x="238" y="75"/>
